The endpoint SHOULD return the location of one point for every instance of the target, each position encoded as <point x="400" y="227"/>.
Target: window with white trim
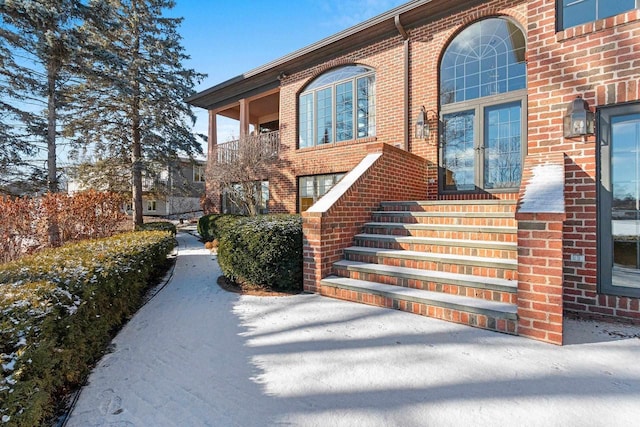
<point x="339" y="105"/>
<point x="198" y="173"/>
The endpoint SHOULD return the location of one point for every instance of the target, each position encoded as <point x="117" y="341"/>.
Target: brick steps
<point x="498" y="219"/>
<point x="453" y="231"/>
<point x="453" y="260"/>
<point x="491" y="315"/>
<point x="491" y="267"/>
<point x="489" y="288"/>
<point x="467" y="247"/>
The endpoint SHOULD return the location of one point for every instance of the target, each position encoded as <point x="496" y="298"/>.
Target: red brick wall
<point x="598" y="61"/>
<point x="387" y="58"/>
<point x="396" y="175"/>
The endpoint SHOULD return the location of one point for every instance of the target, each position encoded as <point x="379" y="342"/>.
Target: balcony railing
<point x="263" y="145"/>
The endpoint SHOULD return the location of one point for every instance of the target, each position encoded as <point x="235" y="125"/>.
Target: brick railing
<point x="387" y="173"/>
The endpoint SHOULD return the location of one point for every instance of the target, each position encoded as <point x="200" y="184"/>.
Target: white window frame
<point x="310" y="124"/>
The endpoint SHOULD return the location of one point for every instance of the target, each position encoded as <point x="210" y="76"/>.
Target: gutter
<point x="407" y="119"/>
<point x="274" y="66"/>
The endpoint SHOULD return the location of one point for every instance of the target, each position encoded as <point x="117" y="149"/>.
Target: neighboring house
<point x="171" y="190"/>
<point x="447" y="160"/>
<point x="175" y="190"/>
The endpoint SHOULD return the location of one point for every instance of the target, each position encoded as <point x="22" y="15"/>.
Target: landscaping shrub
<point x="85" y="215"/>
<point x="59" y="308"/>
<point x="211" y="226"/>
<point x="158" y="226"/>
<point x="264" y="252"/>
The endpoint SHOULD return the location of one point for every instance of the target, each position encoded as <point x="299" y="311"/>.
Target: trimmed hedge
<point x="264" y="252"/>
<point x="59" y="309"/>
<point x="211" y="226"/>
<point x="158" y="226"/>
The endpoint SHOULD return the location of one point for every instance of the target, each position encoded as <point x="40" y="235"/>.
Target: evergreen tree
<point x="39" y="43"/>
<point x="39" y="46"/>
<point x="14" y="145"/>
<point x="133" y="101"/>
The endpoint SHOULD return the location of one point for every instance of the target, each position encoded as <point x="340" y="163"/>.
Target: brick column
<point x="540" y="276"/>
<point x="541" y="214"/>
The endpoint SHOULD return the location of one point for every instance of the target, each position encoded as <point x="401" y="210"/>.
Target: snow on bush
<point x="58" y="311"/>
<point x="263" y="252"/>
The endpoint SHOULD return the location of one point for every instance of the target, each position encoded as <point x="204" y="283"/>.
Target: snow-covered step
<point x="462" y="260"/>
<point x="471" y="311"/>
<point x="430" y="276"/>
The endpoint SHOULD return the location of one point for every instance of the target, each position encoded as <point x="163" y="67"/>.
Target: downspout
<point x="405" y="37"/>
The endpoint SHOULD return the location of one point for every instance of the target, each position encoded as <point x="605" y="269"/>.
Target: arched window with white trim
<point x="338" y="105"/>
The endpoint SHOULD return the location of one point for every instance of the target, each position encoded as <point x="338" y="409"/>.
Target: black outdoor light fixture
<point x="422" y="125"/>
<point x="579" y="120"/>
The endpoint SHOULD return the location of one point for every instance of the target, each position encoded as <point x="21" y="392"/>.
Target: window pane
<point x="366" y="107"/>
<point x="339" y="105"/>
<point x="576" y="12"/>
<point x="485" y="59"/>
<point x="458" y="150"/>
<point x="344" y="111"/>
<point x="264" y="197"/>
<point x="338" y="74"/>
<point x="324" y="132"/>
<point x="607" y="8"/>
<point x="312" y="188"/>
<point x="305" y="117"/>
<point x="625" y="206"/>
<point x="502" y="154"/>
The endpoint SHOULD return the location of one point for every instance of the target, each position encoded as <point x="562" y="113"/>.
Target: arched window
<point x="483" y="105"/>
<point x="339" y="105"/>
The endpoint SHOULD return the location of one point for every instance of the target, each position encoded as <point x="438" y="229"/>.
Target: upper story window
<point x="198" y="173"/>
<point x="338" y="106"/>
<point x="483" y="107"/>
<point x="576" y="12"/>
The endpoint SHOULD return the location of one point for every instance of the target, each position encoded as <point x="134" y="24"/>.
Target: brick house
<point x="473" y="161"/>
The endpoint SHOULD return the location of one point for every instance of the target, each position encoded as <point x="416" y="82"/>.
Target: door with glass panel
<point x="483" y="108"/>
<point x="619" y="200"/>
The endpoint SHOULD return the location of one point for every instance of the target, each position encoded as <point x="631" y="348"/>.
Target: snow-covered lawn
<point x="196" y="355"/>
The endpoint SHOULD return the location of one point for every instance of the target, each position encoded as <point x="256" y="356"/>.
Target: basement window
<point x="312" y="188"/>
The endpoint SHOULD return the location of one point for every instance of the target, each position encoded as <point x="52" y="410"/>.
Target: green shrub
<point x="157" y="226"/>
<point x="203" y="227"/>
<point x="211" y="226"/>
<point x="264" y="252"/>
<point x="58" y="311"/>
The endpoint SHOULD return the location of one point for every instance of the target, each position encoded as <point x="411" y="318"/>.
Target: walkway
<point x="196" y="355"/>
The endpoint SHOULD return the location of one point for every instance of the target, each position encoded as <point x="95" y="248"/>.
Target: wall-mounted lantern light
<point x="579" y="120"/>
<point x="422" y="125"/>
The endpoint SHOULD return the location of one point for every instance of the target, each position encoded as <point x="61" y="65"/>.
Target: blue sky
<point x="225" y="38"/>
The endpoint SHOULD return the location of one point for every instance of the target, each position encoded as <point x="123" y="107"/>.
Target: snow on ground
<point x="196" y="355"/>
